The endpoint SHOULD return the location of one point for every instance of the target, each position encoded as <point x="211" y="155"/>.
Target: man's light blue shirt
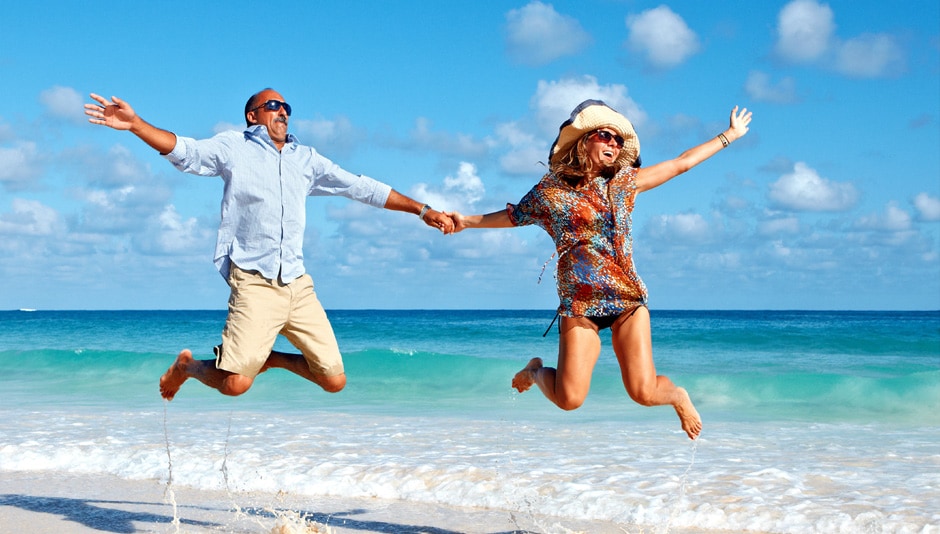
<point x="264" y="196"/>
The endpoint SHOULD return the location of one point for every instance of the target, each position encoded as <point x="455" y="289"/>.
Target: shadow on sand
<point x="96" y="514"/>
<point x="103" y="515"/>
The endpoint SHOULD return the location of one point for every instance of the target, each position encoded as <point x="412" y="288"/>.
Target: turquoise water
<point x="820" y="366"/>
<point x="814" y="421"/>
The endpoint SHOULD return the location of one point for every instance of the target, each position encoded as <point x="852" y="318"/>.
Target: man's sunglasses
<point x="602" y="135"/>
<point x="274" y="105"/>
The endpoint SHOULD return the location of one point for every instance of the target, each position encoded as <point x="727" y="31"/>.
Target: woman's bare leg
<point x="567" y="386"/>
<point x="633" y="346"/>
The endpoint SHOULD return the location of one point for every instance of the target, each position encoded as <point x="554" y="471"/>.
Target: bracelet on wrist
<point x="424" y="211"/>
<point x="724" y="140"/>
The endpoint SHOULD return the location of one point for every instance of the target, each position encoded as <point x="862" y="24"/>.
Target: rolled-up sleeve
<point x="201" y="157"/>
<point x="331" y="179"/>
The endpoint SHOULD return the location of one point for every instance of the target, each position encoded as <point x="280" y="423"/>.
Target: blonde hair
<point x="575" y="163"/>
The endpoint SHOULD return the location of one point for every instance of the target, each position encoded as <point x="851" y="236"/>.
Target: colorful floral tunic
<point x="591" y="225"/>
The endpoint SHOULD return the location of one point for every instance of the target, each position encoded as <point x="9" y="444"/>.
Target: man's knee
<point x="235" y="385"/>
<point x="333" y="384"/>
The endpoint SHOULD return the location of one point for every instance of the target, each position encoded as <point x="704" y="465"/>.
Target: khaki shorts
<point x="259" y="309"/>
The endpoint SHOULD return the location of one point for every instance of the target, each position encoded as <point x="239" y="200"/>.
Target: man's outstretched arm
<point x="119" y="115"/>
<point x="431" y="217"/>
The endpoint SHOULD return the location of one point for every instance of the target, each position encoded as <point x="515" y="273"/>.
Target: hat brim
<point x="593" y="115"/>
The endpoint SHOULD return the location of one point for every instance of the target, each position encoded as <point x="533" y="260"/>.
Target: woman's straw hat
<point x="592" y="115"/>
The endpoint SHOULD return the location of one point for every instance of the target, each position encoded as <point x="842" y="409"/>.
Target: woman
<point x="585" y="203"/>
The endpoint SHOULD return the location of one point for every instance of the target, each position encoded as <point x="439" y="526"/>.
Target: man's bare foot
<point x="688" y="415"/>
<point x="173" y="378"/>
<point x="526" y="377"/>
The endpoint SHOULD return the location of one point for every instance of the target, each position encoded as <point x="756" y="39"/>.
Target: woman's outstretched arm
<point x="649" y="177"/>
<point x="497" y="219"/>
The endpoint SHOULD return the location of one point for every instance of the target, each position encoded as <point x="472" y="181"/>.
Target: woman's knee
<point x="643" y="394"/>
<point x="569" y="404"/>
<point x="569" y="400"/>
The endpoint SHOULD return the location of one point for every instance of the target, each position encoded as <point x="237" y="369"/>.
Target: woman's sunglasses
<point x="603" y="136"/>
<point x="274" y="105"/>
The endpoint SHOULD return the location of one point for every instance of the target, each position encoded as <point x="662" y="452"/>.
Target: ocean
<point x="814" y="421"/>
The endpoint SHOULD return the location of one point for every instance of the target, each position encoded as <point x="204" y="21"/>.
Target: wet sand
<point x="53" y="503"/>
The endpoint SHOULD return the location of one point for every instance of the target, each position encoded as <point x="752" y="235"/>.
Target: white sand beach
<point x="56" y="503"/>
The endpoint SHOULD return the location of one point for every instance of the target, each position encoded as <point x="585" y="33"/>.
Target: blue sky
<point x="831" y="202"/>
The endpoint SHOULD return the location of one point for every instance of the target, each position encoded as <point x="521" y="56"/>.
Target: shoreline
<point x="55" y="502"/>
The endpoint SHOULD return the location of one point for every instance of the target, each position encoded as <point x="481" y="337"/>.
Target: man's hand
<point x="460" y="222"/>
<point x="119" y="115"/>
<point x="116" y="114"/>
<point x="439" y="220"/>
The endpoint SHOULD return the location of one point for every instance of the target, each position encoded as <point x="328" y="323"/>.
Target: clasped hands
<point x="448" y="222"/>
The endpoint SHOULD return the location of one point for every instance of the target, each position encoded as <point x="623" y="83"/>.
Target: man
<point x="267" y="176"/>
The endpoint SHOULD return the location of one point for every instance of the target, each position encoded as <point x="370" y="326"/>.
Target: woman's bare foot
<point x="526" y="377"/>
<point x="688" y="415"/>
<point x="173" y="378"/>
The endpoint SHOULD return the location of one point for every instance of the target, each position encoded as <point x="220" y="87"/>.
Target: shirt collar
<point x="260" y="132"/>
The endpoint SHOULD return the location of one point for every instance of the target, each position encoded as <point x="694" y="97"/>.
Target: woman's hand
<point x="460" y="222"/>
<point x="739" y="123"/>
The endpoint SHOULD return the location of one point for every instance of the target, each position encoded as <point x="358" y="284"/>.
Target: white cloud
<point x="6" y="132"/>
<point x="682" y="227"/>
<point x="30" y="218"/>
<point x="338" y="135"/>
<point x="894" y="219"/>
<point x="537" y="34"/>
<point x="785" y="225"/>
<point x="806" y="34"/>
<point x="870" y="56"/>
<point x="466" y="184"/>
<point x="491" y="244"/>
<point x="714" y="261"/>
<point x="525" y="161"/>
<point x="424" y="137"/>
<point x="759" y="87"/>
<point x="117" y="210"/>
<point x="63" y="103"/>
<point x="124" y="165"/>
<point x="109" y="199"/>
<point x="227" y="127"/>
<point x="551" y="105"/>
<point x="173" y="235"/>
<point x="525" y="149"/>
<point x="460" y="192"/>
<point x="661" y="36"/>
<point x="119" y="167"/>
<point x="805" y="190"/>
<point x="780" y="251"/>
<point x="553" y="101"/>
<point x="19" y="165"/>
<point x="928" y="207"/>
<point x="804" y="30"/>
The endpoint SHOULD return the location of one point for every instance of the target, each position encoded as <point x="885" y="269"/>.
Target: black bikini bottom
<point x="602" y="321"/>
<point x="606" y="321"/>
